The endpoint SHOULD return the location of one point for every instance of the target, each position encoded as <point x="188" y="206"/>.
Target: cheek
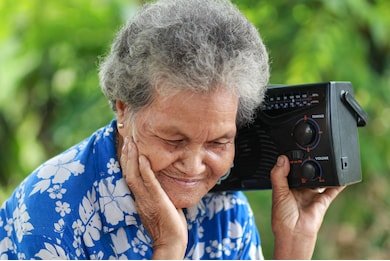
<point x="159" y="157"/>
<point x="222" y="162"/>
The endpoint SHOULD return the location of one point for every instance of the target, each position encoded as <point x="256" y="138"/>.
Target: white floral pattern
<point x="52" y="251"/>
<point x="78" y="206"/>
<point x="8" y="228"/>
<point x="97" y="256"/>
<point x="58" y="170"/>
<point x="214" y="249"/>
<point x="115" y="200"/>
<point x="78" y="227"/>
<point x="113" y="166"/>
<point x="62" y="208"/>
<point x="56" y="192"/>
<point x="119" y="239"/>
<point x="59" y="226"/>
<point x="21" y="222"/>
<point x="90" y="219"/>
<point x="5" y="245"/>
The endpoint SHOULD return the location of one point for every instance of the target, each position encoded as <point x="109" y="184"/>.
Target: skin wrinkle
<point x="199" y="121"/>
<point x="193" y="56"/>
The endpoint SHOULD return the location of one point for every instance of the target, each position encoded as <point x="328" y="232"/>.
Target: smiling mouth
<point x="182" y="181"/>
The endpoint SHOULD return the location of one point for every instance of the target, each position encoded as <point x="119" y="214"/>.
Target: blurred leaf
<point x="50" y="96"/>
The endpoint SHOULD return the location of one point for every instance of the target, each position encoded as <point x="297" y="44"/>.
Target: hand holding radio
<point x="297" y="214"/>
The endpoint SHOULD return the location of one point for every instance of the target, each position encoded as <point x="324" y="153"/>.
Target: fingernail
<point x="280" y="161"/>
<point x="321" y="190"/>
<point x="141" y="160"/>
<point x="125" y="141"/>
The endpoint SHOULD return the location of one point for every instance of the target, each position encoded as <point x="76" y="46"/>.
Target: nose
<point x="191" y="162"/>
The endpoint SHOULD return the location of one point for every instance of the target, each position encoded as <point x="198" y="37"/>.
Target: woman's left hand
<point x="297" y="214"/>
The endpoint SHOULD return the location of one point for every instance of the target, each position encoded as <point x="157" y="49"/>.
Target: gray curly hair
<point x="198" y="45"/>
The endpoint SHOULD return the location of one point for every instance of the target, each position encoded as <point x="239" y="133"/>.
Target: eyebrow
<point x="228" y="135"/>
<point x="176" y="132"/>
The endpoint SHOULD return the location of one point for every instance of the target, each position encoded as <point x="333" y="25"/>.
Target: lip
<point x="186" y="182"/>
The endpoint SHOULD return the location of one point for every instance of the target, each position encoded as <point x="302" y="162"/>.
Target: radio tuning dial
<point x="304" y="133"/>
<point x="310" y="170"/>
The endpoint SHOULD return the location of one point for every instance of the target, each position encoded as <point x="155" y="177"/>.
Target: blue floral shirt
<point x="78" y="206"/>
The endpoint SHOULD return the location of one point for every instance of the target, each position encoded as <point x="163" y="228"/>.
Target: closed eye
<point x="173" y="142"/>
<point x="221" y="144"/>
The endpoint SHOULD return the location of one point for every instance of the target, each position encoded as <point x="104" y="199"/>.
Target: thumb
<point x="279" y="175"/>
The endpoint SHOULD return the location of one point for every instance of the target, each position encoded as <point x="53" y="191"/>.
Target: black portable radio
<point x="315" y="125"/>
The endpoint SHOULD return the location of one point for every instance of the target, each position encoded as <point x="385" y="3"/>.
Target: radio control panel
<point x="314" y="125"/>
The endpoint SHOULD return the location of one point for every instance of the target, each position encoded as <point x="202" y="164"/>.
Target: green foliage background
<point x="50" y="98"/>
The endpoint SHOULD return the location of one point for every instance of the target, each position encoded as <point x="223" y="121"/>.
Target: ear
<point x="122" y="116"/>
<point x="121" y="108"/>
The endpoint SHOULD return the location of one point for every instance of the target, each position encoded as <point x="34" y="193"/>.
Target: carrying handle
<point x="361" y="115"/>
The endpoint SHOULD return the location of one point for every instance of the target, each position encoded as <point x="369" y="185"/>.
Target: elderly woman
<point x="181" y="76"/>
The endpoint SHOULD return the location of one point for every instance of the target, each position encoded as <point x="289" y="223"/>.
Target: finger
<point x="324" y="199"/>
<point x="130" y="170"/>
<point x="149" y="179"/>
<point x="123" y="157"/>
<point x="279" y="175"/>
<point x="182" y="216"/>
<point x="331" y="193"/>
<point x="318" y="190"/>
<point x="306" y="196"/>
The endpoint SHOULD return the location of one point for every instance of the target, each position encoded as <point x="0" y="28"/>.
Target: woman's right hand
<point x="166" y="225"/>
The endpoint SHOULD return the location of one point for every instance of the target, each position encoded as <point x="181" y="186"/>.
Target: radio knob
<point x="310" y="170"/>
<point x="304" y="133"/>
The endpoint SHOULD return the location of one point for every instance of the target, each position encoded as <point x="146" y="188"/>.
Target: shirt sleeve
<point x="20" y="239"/>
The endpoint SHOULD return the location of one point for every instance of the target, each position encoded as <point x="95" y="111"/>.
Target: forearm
<point x="297" y="246"/>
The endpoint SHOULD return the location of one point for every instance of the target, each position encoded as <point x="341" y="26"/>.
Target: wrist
<point x="169" y="251"/>
<point x="294" y="246"/>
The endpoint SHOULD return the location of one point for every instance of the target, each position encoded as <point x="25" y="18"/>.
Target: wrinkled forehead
<point x="191" y="110"/>
<point x="219" y="99"/>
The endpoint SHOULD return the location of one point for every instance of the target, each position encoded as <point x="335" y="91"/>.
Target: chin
<point x="186" y="205"/>
<point x="185" y="199"/>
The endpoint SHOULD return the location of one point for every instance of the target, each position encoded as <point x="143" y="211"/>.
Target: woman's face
<point x="189" y="140"/>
